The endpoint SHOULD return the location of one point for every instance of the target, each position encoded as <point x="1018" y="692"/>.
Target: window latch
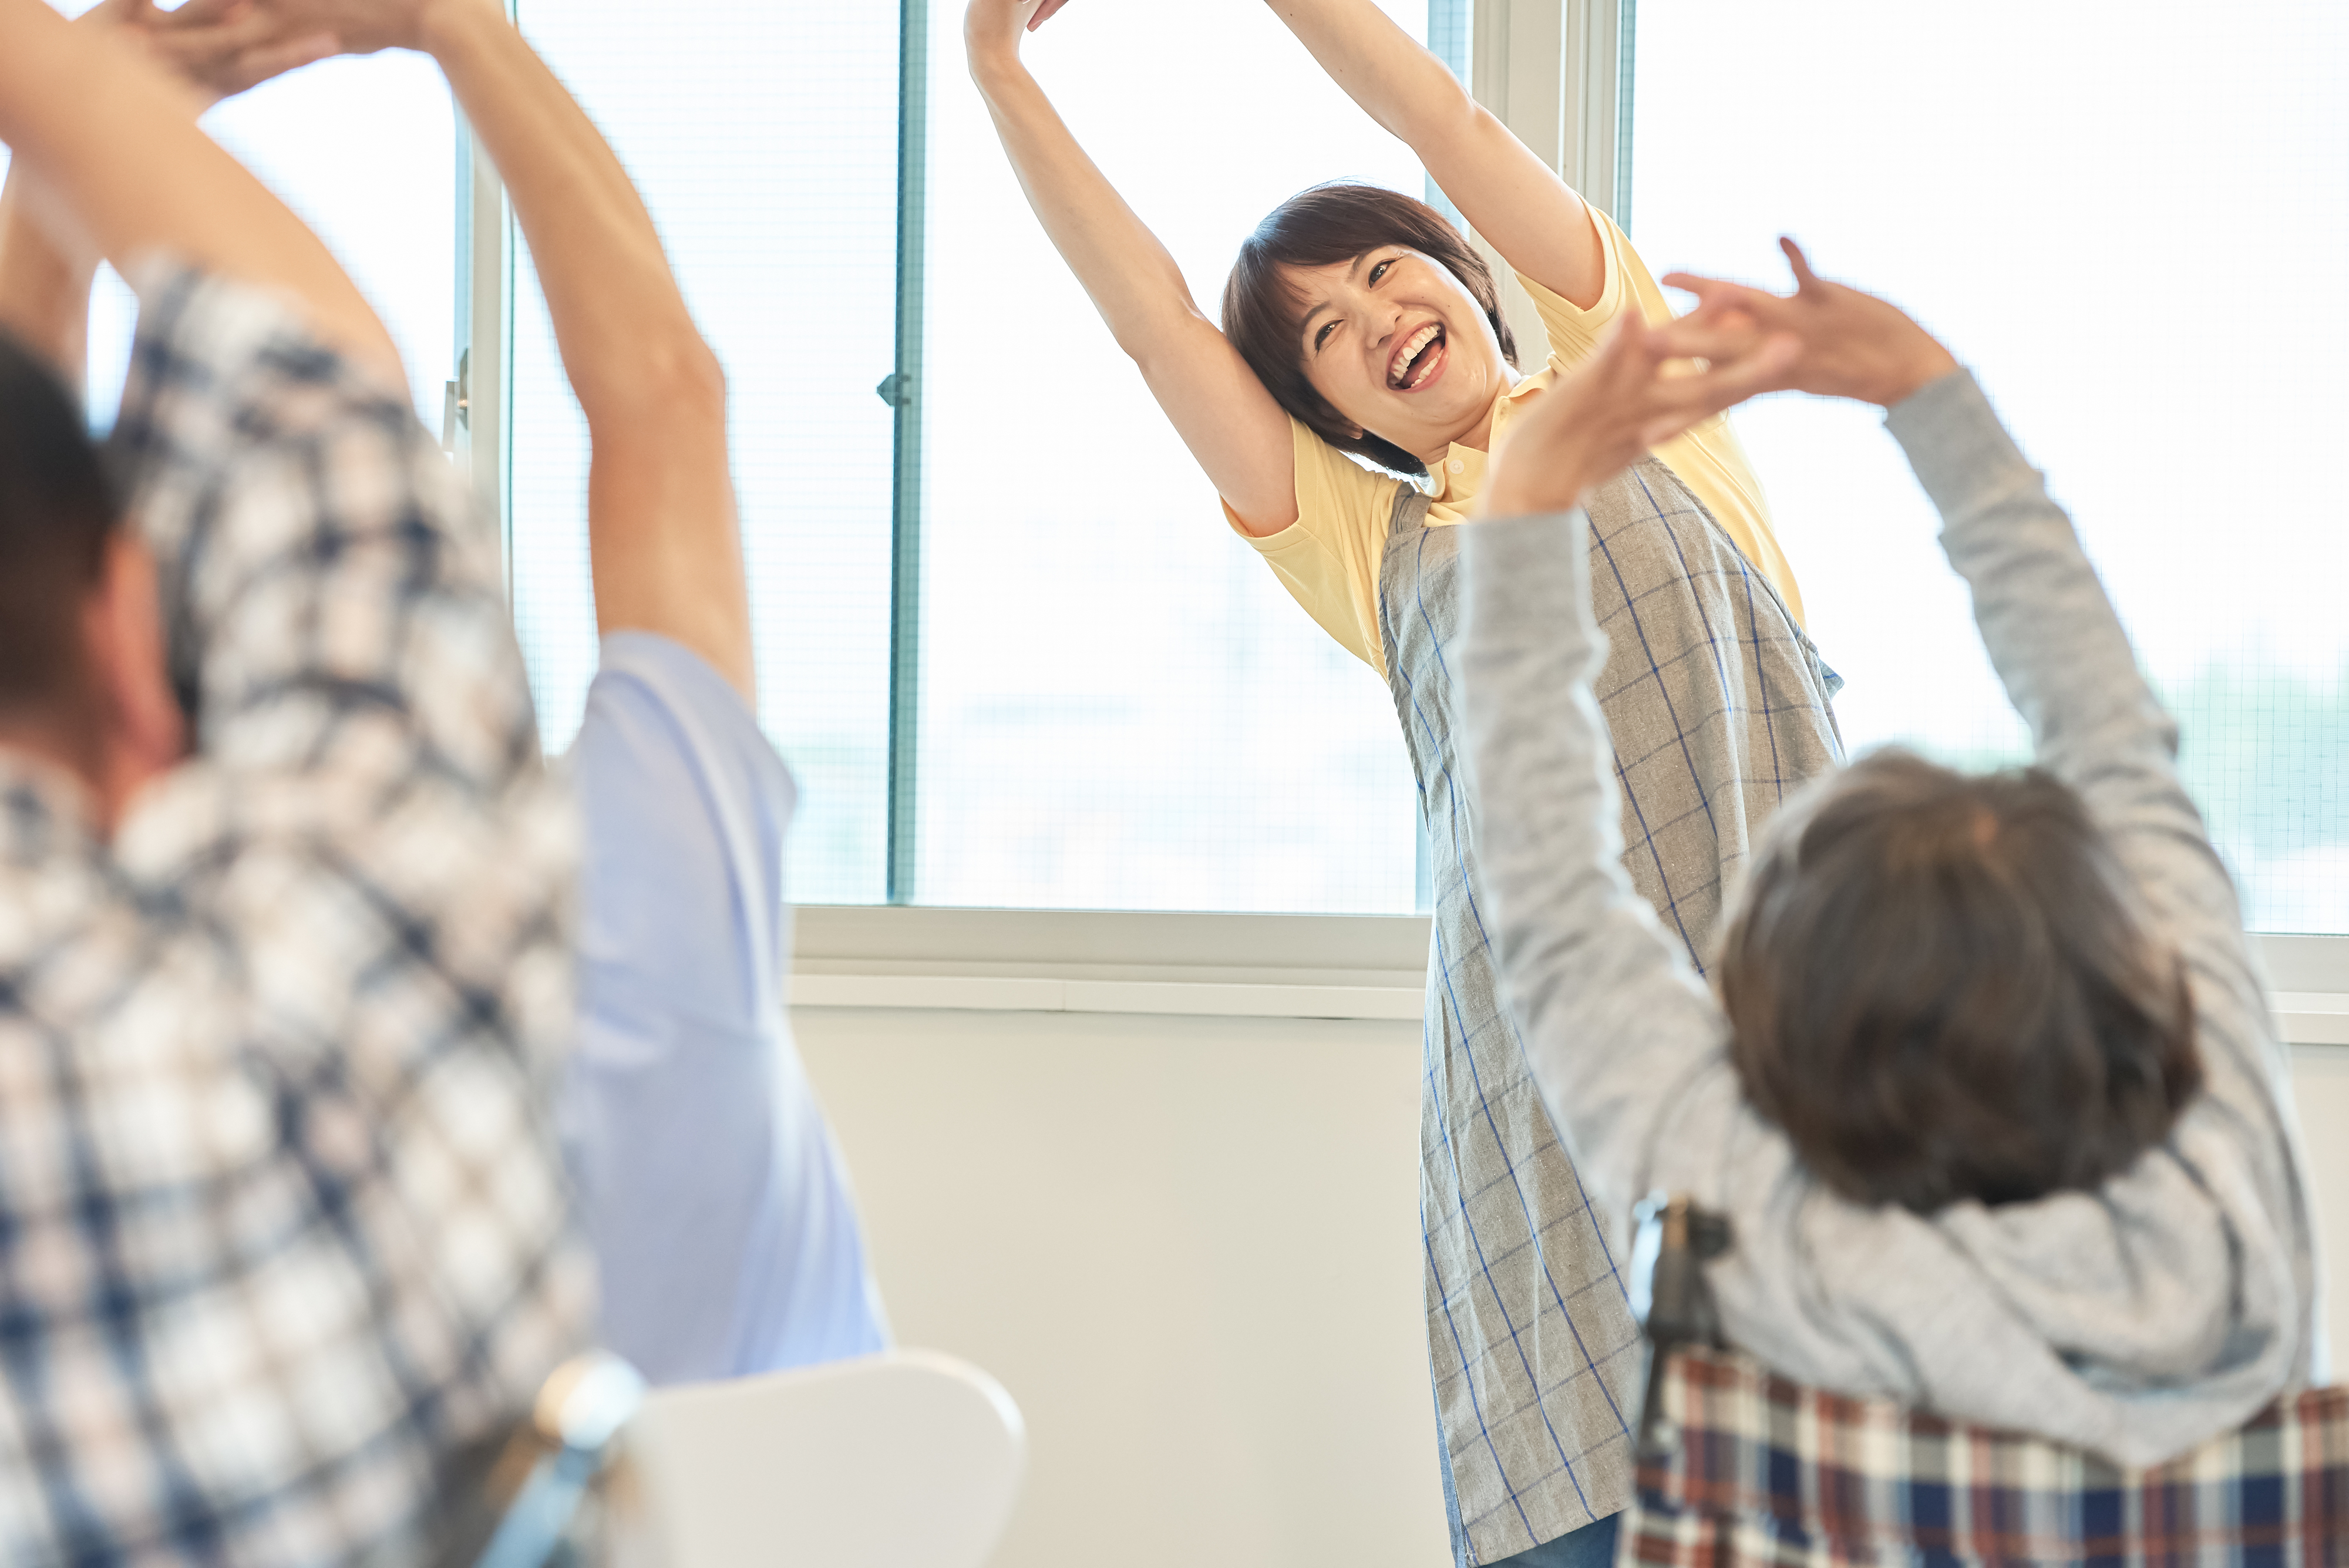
<point x="456" y="403"/>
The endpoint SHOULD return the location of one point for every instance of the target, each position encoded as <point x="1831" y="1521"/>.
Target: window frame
<point x="1558" y="73"/>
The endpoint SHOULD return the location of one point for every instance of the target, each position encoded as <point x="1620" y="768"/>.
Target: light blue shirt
<point x="723" y="1225"/>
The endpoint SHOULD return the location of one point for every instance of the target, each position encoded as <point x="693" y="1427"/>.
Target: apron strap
<point x="1409" y="515"/>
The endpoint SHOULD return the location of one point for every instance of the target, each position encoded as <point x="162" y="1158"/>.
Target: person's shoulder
<point x="686" y="810"/>
<point x="1574" y="330"/>
<point x="657" y="709"/>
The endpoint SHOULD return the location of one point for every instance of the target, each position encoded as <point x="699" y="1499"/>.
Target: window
<point x="2123" y="219"/>
<point x="1112" y="703"/>
<point x="774" y="184"/>
<point x="1119" y="705"/>
<point x="1106" y="701"/>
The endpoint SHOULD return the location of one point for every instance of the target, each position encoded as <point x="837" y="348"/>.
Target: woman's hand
<point x="1602" y="416"/>
<point x="991" y="30"/>
<point x="1853" y="345"/>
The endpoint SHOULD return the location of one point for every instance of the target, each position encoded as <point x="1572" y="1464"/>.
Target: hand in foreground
<point x="1599" y="419"/>
<point x="228" y="45"/>
<point x="136" y="22"/>
<point x="1853" y="345"/>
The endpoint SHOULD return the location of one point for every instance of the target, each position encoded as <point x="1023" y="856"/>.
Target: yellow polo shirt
<point x="1329" y="558"/>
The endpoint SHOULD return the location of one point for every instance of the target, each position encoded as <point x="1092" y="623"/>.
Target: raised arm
<point x="661" y="523"/>
<point x="115" y="141"/>
<point x="2051" y="632"/>
<point x="1511" y="197"/>
<point x="660" y="496"/>
<point x="1233" y="427"/>
<point x="46" y="267"/>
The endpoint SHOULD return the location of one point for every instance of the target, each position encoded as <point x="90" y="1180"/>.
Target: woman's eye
<point x="1323" y="336"/>
<point x="1379" y="272"/>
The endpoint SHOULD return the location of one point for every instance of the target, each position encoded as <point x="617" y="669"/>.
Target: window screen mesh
<point x="764" y="140"/>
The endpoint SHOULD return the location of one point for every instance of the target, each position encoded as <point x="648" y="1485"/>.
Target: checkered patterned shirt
<point x="281" y="1217"/>
<point x="1758" y="1471"/>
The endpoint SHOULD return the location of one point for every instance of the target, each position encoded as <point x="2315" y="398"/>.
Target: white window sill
<point x="1248" y="966"/>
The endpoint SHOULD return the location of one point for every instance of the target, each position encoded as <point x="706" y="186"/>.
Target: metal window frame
<point x="1558" y="72"/>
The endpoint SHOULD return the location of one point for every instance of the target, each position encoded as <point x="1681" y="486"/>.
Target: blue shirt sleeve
<point x="724" y="1228"/>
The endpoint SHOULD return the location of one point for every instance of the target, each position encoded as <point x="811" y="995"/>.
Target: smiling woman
<point x="1359" y="328"/>
<point x="1332" y="256"/>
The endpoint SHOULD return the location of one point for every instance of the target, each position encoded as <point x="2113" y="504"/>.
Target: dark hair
<point x="1937" y="987"/>
<point x="56" y="511"/>
<point x="1265" y="320"/>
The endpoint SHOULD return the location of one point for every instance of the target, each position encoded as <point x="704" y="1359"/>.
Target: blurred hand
<point x="1600" y="417"/>
<point x="1852" y="345"/>
<point x="1043" y="12"/>
<point x="135" y="24"/>
<point x="228" y="45"/>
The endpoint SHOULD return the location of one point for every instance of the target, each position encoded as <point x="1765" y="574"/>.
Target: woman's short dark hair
<point x="56" y="511"/>
<point x="1264" y="318"/>
<point x="1937" y="987"/>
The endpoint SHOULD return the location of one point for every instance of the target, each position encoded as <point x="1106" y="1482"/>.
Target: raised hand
<point x="228" y="45"/>
<point x="991" y="29"/>
<point x="1852" y="345"/>
<point x="1616" y="405"/>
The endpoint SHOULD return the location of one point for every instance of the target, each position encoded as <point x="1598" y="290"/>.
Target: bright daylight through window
<point x="1113" y="704"/>
<point x="2124" y="219"/>
<point x="775" y="190"/>
<point x="1120" y="706"/>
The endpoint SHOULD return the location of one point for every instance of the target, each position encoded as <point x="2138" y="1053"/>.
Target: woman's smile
<point x="1418" y="359"/>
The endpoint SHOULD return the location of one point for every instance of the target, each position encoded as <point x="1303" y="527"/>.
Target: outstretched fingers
<point x="1758" y="364"/>
<point x="1806" y="279"/>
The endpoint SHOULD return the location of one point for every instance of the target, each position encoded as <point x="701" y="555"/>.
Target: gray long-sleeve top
<point x="2135" y="1320"/>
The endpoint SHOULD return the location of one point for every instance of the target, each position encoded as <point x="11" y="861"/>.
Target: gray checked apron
<point x="1718" y="706"/>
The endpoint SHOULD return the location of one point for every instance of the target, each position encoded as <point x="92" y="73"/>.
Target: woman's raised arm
<point x="1240" y="435"/>
<point x="1511" y="197"/>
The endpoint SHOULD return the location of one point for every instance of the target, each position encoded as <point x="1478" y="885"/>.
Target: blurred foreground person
<point x="726" y="1236"/>
<point x="284" y="988"/>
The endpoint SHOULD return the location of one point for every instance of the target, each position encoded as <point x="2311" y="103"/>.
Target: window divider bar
<point x="485" y="333"/>
<point x="1626" y="77"/>
<point x="906" y="480"/>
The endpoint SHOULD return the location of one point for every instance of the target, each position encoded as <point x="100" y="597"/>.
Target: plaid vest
<point x="1751" y="1469"/>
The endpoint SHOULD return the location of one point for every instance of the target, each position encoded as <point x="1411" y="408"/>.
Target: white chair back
<point x="909" y="1459"/>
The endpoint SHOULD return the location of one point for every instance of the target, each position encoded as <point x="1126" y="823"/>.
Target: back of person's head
<point x="57" y="513"/>
<point x="1264" y="317"/>
<point x="1939" y="989"/>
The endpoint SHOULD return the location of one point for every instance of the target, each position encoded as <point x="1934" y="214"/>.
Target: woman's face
<point x="1399" y="346"/>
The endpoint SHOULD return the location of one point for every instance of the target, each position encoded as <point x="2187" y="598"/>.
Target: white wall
<point x="1189" y="1246"/>
<point x="1190" y="1249"/>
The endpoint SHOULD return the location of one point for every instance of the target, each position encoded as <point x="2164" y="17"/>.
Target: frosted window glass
<point x="764" y="140"/>
<point x="1120" y="706"/>
<point x="2121" y="217"/>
